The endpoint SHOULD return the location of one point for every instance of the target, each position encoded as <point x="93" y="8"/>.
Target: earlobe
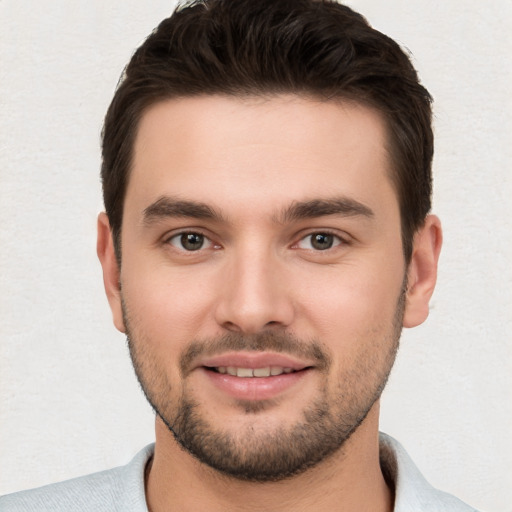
<point x="422" y="271"/>
<point x="111" y="272"/>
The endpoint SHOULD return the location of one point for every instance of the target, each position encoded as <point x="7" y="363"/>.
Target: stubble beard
<point x="269" y="456"/>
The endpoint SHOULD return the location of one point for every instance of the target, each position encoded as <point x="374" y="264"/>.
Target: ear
<point x="422" y="271"/>
<point x="111" y="271"/>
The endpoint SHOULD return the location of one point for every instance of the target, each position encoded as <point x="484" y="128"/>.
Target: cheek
<point x="168" y="304"/>
<point x="352" y="303"/>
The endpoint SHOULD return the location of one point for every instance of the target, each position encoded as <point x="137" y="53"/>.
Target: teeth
<point x="262" y="372"/>
<point x="244" y="372"/>
<point x="267" y="371"/>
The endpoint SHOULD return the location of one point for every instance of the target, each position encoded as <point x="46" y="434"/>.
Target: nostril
<point x="230" y="326"/>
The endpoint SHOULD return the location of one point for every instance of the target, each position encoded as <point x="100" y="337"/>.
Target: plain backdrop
<point x="69" y="403"/>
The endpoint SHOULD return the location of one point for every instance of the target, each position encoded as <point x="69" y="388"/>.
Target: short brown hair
<point x="314" y="48"/>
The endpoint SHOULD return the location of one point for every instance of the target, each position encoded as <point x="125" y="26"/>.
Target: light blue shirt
<point x="122" y="489"/>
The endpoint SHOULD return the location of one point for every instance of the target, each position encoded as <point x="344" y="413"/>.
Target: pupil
<point x="192" y="241"/>
<point x="322" y="241"/>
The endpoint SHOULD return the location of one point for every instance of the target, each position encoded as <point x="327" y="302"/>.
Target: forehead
<point x="249" y="150"/>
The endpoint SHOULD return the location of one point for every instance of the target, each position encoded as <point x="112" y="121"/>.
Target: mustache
<point x="280" y="342"/>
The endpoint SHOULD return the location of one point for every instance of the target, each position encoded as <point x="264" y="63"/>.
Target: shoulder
<point x="412" y="491"/>
<point x="118" y="489"/>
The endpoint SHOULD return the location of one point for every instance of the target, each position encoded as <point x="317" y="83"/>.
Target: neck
<point x="349" y="480"/>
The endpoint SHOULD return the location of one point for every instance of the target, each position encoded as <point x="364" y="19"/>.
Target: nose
<point x="255" y="295"/>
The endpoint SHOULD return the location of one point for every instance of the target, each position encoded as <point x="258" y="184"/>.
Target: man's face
<point x="262" y="277"/>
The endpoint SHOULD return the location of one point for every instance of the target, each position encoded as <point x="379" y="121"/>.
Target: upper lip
<point x="254" y="360"/>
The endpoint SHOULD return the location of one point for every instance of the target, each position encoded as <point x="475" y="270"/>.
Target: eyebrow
<point x="322" y="207"/>
<point x="167" y="206"/>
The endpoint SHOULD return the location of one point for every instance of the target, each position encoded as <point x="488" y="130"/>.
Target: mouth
<point x="255" y="376"/>
<point x="266" y="371"/>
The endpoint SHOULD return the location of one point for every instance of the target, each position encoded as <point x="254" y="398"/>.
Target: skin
<point x="250" y="160"/>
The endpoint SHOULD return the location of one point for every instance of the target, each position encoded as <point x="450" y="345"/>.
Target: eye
<point x="190" y="241"/>
<point x="319" y="241"/>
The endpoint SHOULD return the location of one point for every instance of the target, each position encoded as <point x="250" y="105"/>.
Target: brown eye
<point x="189" y="241"/>
<point x="322" y="241"/>
<point x="192" y="241"/>
<point x="319" y="241"/>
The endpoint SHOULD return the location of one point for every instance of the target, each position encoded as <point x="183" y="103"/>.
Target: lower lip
<point x="255" y="388"/>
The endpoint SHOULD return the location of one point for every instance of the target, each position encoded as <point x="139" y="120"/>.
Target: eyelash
<point x="179" y="237"/>
<point x="337" y="240"/>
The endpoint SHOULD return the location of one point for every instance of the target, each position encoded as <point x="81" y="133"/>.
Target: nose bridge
<point x="255" y="294"/>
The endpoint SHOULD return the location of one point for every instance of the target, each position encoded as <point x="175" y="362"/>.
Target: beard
<point x="265" y="455"/>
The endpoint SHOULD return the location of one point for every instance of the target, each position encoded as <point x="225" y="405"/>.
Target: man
<point x="267" y="182"/>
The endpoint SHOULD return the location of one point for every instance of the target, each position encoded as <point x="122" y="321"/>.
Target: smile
<point x="255" y="382"/>
<point x="246" y="375"/>
<point x="267" y="371"/>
